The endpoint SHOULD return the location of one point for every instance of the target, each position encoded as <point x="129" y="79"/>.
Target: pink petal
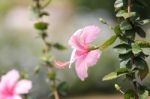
<point x="23" y="87"/>
<point x="81" y="68"/>
<point x="2" y="96"/>
<point x="92" y="57"/>
<point x="9" y="80"/>
<point x="76" y="42"/>
<point x="10" y="97"/>
<point x="84" y="61"/>
<point x="90" y="33"/>
<point x="15" y="97"/>
<point x="78" y="53"/>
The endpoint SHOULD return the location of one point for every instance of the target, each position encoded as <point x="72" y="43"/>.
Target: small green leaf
<point x="118" y="4"/>
<point x="122" y="48"/>
<point x="130" y="34"/>
<point x="110" y="76"/>
<point x="41" y="25"/>
<point x="143" y="22"/>
<point x="143" y="73"/>
<point x="114" y="75"/>
<point x="125" y="56"/>
<point x="102" y="21"/>
<point x="136" y="49"/>
<point x="51" y="75"/>
<point x="46" y="58"/>
<point x="121" y="71"/>
<point x="44" y="14"/>
<point x="143" y="44"/>
<point x="140" y="31"/>
<point x="108" y="43"/>
<point x="59" y="46"/>
<point x="140" y="63"/>
<point x="124" y="25"/>
<point x="123" y="13"/>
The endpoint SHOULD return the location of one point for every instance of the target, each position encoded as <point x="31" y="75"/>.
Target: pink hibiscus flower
<point x="82" y="55"/>
<point x="12" y="88"/>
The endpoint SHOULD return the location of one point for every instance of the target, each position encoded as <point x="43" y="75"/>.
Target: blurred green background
<point x="21" y="48"/>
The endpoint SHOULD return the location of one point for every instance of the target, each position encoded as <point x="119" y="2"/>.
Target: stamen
<point x="72" y="58"/>
<point x="60" y="64"/>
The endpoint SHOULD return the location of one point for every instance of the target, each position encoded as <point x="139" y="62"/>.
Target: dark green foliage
<point x="125" y="25"/>
<point x="143" y="92"/>
<point x="130" y="50"/>
<point x="123" y="48"/>
<point x="130" y="95"/>
<point x="140" y="32"/>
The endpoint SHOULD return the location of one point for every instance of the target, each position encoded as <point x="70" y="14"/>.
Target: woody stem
<point x="129" y="6"/>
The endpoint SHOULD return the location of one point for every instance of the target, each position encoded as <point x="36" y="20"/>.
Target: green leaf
<point x="118" y="4"/>
<point x="63" y="88"/>
<point x="143" y="44"/>
<point x="140" y="31"/>
<point x="143" y="73"/>
<point x="130" y="34"/>
<point x="41" y="26"/>
<point x="59" y="46"/>
<point x="108" y="43"/>
<point x="122" y="71"/>
<point x="110" y="76"/>
<point x="125" y="56"/>
<point x="122" y="48"/>
<point x="140" y="63"/>
<point x="143" y="22"/>
<point x="43" y="14"/>
<point x="102" y="21"/>
<point x="136" y="49"/>
<point x="124" y="25"/>
<point x="46" y="58"/>
<point x="129" y="95"/>
<point x="51" y="75"/>
<point x="144" y="94"/>
<point x="114" y="75"/>
<point x="124" y="14"/>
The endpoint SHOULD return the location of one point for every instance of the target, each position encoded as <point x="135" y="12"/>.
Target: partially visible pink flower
<point x="81" y="54"/>
<point x="12" y="88"/>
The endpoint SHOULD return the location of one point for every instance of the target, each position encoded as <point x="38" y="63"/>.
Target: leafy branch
<point x="133" y="65"/>
<point x="47" y="59"/>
